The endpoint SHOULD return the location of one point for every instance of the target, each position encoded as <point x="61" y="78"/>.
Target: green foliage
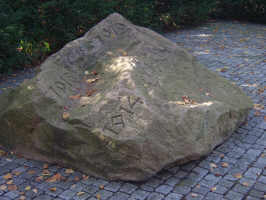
<point x="30" y="30"/>
<point x="250" y="10"/>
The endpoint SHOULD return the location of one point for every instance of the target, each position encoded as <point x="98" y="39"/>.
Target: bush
<point x="30" y="30"/>
<point x="249" y="10"/>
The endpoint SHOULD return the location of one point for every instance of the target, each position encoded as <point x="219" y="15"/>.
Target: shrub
<point x="250" y="10"/>
<point x="30" y="30"/>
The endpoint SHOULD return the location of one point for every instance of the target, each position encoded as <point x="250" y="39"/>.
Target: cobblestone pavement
<point x="235" y="170"/>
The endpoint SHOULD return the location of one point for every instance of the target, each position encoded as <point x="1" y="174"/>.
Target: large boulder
<point x="121" y="102"/>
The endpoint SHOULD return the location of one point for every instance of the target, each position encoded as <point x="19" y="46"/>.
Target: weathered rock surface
<point x="122" y="102"/>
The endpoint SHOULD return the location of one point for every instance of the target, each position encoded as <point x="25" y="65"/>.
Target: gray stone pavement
<point x="235" y="170"/>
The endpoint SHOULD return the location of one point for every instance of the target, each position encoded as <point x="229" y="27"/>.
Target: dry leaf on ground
<point x="53" y="189"/>
<point x="7" y="176"/>
<point x="225" y="165"/>
<point x="69" y="171"/>
<point x="54" y="178"/>
<point x="65" y="115"/>
<point x="12" y="187"/>
<point x="80" y="193"/>
<point x="237" y="175"/>
<point x="75" y="97"/>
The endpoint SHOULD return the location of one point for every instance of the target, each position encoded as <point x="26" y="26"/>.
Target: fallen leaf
<point x="101" y="187"/>
<point x="98" y="196"/>
<point x="94" y="73"/>
<point x="22" y="197"/>
<point x="2" y="153"/>
<point x="46" y="172"/>
<point x="69" y="171"/>
<point x="35" y="190"/>
<point x="53" y="189"/>
<point x="212" y="165"/>
<point x="257" y="113"/>
<point x="31" y="172"/>
<point x="75" y="97"/>
<point x="39" y="178"/>
<point x="213" y="189"/>
<point x="17" y="173"/>
<point x="27" y="188"/>
<point x="3" y="187"/>
<point x="194" y="195"/>
<point x="222" y="155"/>
<point x="54" y="178"/>
<point x="80" y="193"/>
<point x="258" y="107"/>
<point x="225" y="165"/>
<point x="12" y="187"/>
<point x="92" y="80"/>
<point x="237" y="175"/>
<point x="218" y="175"/>
<point x="9" y="182"/>
<point x="245" y="184"/>
<point x="7" y="176"/>
<point x="85" y="177"/>
<point x="65" y="115"/>
<point x="45" y="166"/>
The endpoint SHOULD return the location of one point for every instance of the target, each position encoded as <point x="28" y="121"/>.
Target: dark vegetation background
<point x="30" y="30"/>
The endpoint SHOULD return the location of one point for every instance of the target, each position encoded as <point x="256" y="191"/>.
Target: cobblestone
<point x="238" y="47"/>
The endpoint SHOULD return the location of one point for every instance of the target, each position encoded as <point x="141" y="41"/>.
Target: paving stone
<point x="253" y="173"/>
<point x="155" y="196"/>
<point x="194" y="196"/>
<point x="260" y="163"/>
<point x="260" y="187"/>
<point x="77" y="187"/>
<point x="120" y="196"/>
<point x="104" y="194"/>
<point x="174" y="196"/>
<point x="219" y="189"/>
<point x="241" y="189"/>
<point x="153" y="182"/>
<point x="68" y="194"/>
<point x="164" y="189"/>
<point x="128" y="188"/>
<point x="113" y="186"/>
<point x="84" y="196"/>
<point x="58" y="191"/>
<point x="172" y="181"/>
<point x="251" y="198"/>
<point x="234" y="195"/>
<point x="4" y="198"/>
<point x="182" y="190"/>
<point x="12" y="194"/>
<point x="200" y="189"/>
<point x="139" y="194"/>
<point x="256" y="193"/>
<point x="212" y="196"/>
<point x="146" y="188"/>
<point x="262" y="179"/>
<point x="44" y="197"/>
<point x="91" y="189"/>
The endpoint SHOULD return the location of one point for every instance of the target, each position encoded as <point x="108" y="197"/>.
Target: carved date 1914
<point x="117" y="120"/>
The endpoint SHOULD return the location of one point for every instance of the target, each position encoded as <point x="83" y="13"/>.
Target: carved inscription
<point x="117" y="120"/>
<point x="64" y="82"/>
